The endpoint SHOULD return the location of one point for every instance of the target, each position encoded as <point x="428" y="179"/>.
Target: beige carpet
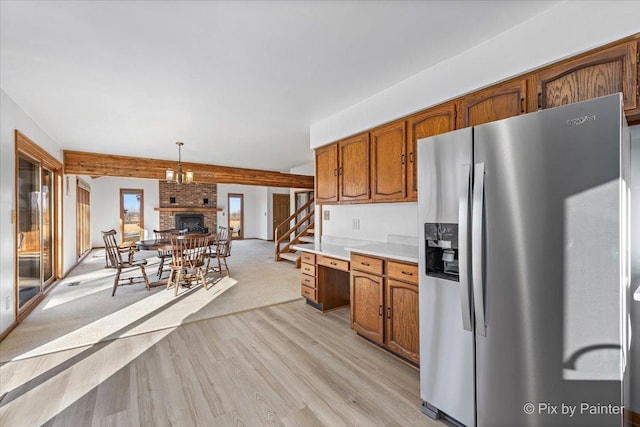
<point x="80" y="310"/>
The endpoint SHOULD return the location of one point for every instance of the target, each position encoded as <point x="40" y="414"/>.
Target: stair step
<point x="291" y="256"/>
<point x="307" y="239"/>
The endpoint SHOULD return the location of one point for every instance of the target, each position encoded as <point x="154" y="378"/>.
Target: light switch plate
<point x="355" y="224"/>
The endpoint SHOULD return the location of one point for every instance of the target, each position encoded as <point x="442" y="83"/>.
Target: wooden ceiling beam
<point x="94" y="164"/>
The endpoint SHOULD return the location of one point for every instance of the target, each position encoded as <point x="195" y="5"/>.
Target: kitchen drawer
<point x="308" y="281"/>
<point x="337" y="264"/>
<point x="366" y="264"/>
<point x="308" y="269"/>
<point x="402" y="271"/>
<point x="308" y="293"/>
<point x="308" y="258"/>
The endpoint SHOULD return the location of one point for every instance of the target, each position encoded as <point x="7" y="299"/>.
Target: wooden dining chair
<point x="220" y="252"/>
<point x="122" y="259"/>
<point x="165" y="235"/>
<point x="188" y="260"/>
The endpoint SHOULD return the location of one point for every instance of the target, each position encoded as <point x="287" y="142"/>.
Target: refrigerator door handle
<point x="477" y="254"/>
<point x="463" y="242"/>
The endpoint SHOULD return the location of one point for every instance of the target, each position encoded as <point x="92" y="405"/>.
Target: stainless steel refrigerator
<point x="524" y="268"/>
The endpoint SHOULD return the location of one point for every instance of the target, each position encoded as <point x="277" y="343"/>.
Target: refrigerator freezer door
<point x="446" y="348"/>
<point x="552" y="276"/>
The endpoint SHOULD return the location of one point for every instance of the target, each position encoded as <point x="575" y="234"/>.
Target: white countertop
<point x="395" y="251"/>
<point x="328" y="249"/>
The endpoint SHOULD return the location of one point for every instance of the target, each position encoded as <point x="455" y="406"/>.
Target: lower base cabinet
<point x="384" y="304"/>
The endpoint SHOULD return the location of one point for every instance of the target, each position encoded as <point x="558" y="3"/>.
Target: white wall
<point x="250" y="207"/>
<point x="105" y="205"/>
<point x="12" y="117"/>
<point x="376" y="220"/>
<point x="562" y="31"/>
<point x="258" y="208"/>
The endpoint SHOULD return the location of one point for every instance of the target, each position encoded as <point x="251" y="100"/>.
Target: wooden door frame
<point x="130" y="191"/>
<point x="81" y="185"/>
<point x="273" y="204"/>
<point x="241" y="197"/>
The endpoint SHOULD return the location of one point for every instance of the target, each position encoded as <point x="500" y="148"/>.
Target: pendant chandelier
<point x="179" y="176"/>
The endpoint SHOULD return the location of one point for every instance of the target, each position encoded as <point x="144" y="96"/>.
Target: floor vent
<point x="73" y="284"/>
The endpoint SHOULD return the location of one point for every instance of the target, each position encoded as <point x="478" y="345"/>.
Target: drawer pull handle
<point x="380" y="310"/>
<point x="388" y="312"/>
<point x="366" y="264"/>
<point x="333" y="263"/>
<point x="407" y="273"/>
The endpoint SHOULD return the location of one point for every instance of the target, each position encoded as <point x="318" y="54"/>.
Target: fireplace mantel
<point x="188" y="209"/>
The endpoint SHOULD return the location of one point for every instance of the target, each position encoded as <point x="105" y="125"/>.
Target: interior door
<point x="281" y="208"/>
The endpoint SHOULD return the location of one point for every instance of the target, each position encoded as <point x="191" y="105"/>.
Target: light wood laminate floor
<point x="285" y="364"/>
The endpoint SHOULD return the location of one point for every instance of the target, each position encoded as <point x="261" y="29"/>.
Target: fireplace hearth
<point x="193" y="222"/>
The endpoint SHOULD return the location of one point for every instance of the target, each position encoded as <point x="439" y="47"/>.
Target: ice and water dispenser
<point x="441" y="241"/>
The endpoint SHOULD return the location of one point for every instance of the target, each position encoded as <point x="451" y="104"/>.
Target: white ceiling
<point x="238" y="82"/>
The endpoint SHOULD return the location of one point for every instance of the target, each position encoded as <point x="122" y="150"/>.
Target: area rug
<point x="80" y="310"/>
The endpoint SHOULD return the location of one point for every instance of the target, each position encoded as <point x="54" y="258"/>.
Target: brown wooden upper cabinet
<point x="389" y="162"/>
<point x="353" y="168"/>
<point x="602" y="73"/>
<point x="494" y="103"/>
<point x="327" y="174"/>
<point x="434" y="121"/>
<point x="342" y="171"/>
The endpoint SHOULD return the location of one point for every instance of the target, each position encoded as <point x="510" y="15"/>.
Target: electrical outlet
<point x="326" y="215"/>
<point x="7" y="302"/>
<point x="355" y="224"/>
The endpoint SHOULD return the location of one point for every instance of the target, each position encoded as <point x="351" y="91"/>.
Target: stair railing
<point x="280" y="235"/>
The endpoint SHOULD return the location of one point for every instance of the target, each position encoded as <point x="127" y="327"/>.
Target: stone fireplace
<point x="191" y="206"/>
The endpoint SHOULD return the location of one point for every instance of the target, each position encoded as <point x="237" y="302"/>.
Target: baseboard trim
<point x="7" y="331"/>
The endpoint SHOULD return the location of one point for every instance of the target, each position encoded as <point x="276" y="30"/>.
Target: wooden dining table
<point x="164" y="245"/>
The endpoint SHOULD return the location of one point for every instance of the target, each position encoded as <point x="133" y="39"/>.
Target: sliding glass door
<point x="38" y="222"/>
<point x="35" y="228"/>
<point x="29" y="231"/>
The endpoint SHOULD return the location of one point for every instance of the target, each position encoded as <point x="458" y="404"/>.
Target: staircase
<point x="285" y="230"/>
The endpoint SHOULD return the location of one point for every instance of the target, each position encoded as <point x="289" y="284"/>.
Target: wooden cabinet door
<point x="367" y="293"/>
<point x="389" y="162"/>
<point x="432" y="122"/>
<point x="608" y="71"/>
<point x="327" y="174"/>
<point x="353" y="168"/>
<point x="402" y="321"/>
<point x="495" y="103"/>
